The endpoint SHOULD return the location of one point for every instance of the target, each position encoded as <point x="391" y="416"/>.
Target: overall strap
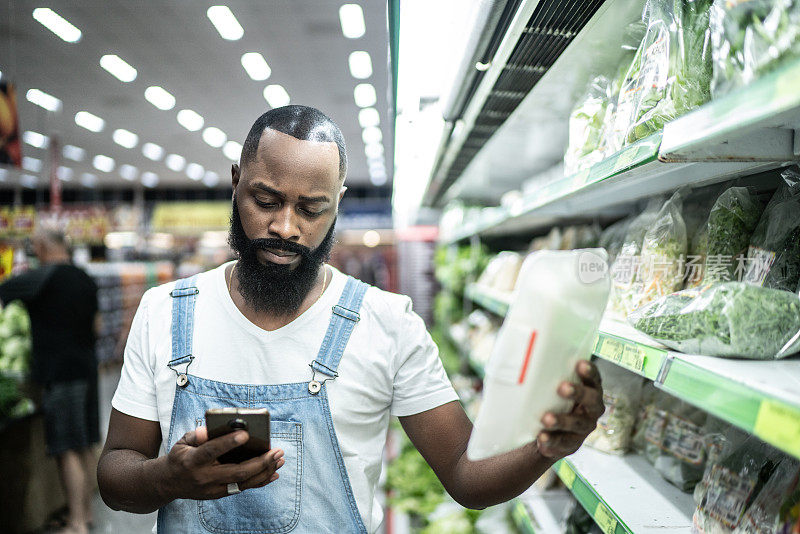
<point x="183" y="296"/>
<point x="343" y="319"/>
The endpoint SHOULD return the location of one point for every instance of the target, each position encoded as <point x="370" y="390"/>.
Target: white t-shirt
<point x="390" y="366"/>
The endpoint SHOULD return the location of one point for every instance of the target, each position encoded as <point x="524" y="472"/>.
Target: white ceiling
<point x="173" y="44"/>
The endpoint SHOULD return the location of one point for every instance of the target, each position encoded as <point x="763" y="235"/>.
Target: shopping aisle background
<point x="107" y="520"/>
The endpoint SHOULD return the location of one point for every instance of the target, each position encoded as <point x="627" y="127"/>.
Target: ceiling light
<point x="377" y="168"/>
<point x="190" y="120"/>
<point x="159" y="97"/>
<point x="214" y="137"/>
<point x="364" y="95"/>
<point x="88" y="179"/>
<point x="57" y="24"/>
<point x="232" y="150"/>
<point x="125" y="138"/>
<point x="211" y="179"/>
<point x="378" y="160"/>
<point x="195" y="171"/>
<point x="225" y="22"/>
<point x="28" y="180"/>
<point x="373" y="150"/>
<point x="31" y="164"/>
<point x="149" y="179"/>
<point x="152" y="151"/>
<point x="352" y="18"/>
<point x="128" y="172"/>
<point x="378" y="180"/>
<point x="256" y="66"/>
<point x="42" y="99"/>
<point x="75" y="153"/>
<point x="103" y="163"/>
<point x="371" y="239"/>
<point x="3" y="174"/>
<point x="175" y="162"/>
<point x="35" y="139"/>
<point x="89" y="121"/>
<point x="371" y="135"/>
<point x="360" y="65"/>
<point x="276" y="96"/>
<point x="118" y="67"/>
<point x="64" y="174"/>
<point x="369" y="117"/>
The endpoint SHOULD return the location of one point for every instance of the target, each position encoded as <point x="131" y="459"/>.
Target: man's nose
<point x="284" y="225"/>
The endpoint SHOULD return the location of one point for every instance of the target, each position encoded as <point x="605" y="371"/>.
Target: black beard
<point x="275" y="289"/>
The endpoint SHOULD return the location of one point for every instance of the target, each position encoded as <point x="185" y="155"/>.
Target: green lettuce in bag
<point x="751" y="38"/>
<point x="671" y="72"/>
<point x="732" y="319"/>
<point x="586" y="127"/>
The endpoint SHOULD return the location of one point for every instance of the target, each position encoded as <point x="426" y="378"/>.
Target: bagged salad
<point x="586" y="127"/>
<point x="671" y="71"/>
<point x="751" y="38"/>
<point x="731" y="319"/>
<point x="774" y="254"/>
<point x="681" y="460"/>
<point x="731" y="222"/>
<point x="621" y="391"/>
<point x="663" y="250"/>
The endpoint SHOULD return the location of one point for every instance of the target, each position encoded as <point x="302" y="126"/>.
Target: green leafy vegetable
<point x="586" y="127"/>
<point x="732" y="319"/>
<point x="751" y="38"/>
<point x="774" y="253"/>
<point x="730" y="224"/>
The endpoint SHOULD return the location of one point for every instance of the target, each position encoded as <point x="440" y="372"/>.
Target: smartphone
<point x="221" y="421"/>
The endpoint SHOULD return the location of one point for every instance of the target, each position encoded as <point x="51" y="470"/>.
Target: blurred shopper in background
<point x="62" y="303"/>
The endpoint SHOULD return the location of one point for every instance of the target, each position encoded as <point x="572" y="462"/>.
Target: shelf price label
<point x="566" y="474"/>
<point x="779" y="424"/>
<point x="627" y="355"/>
<point x="605" y="519"/>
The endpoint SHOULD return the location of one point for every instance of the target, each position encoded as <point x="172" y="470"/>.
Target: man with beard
<point x="330" y="357"/>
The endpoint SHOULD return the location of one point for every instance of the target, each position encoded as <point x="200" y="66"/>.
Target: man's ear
<point x="341" y="192"/>
<point x="235" y="175"/>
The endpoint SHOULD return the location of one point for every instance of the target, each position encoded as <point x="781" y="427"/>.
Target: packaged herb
<point x="750" y="38"/>
<point x="648" y="439"/>
<point x="774" y="254"/>
<point x="671" y="71"/>
<point x="732" y="319"/>
<point x="683" y="454"/>
<point x="613" y="237"/>
<point x="730" y="225"/>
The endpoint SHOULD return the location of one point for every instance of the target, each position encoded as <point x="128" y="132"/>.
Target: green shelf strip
<point x="490" y="302"/>
<point x="773" y="420"/>
<point x="521" y="518"/>
<point x="767" y="97"/>
<point x="641" y="359"/>
<point x="608" y="521"/>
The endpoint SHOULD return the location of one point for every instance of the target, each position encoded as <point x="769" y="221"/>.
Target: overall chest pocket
<point x="273" y="509"/>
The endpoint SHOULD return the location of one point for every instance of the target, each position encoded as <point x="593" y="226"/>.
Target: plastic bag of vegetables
<point x="751" y="38"/>
<point x="586" y="127"/>
<point x="730" y="225"/>
<point x="774" y="254"/>
<point x="648" y="440"/>
<point x="731" y="319"/>
<point x="621" y="391"/>
<point x="671" y="72"/>
<point x="663" y="249"/>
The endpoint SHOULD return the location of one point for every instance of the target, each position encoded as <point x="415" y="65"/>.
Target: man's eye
<point x="311" y="213"/>
<point x="264" y="204"/>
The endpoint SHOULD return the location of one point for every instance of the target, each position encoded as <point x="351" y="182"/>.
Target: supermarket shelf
<point x="625" y="494"/>
<point x="756" y="122"/>
<point x="537" y="512"/>
<point x="760" y="397"/>
<point x="750" y="130"/>
<point x="494" y="301"/>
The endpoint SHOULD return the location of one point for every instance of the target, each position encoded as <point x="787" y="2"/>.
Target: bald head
<point x="50" y="244"/>
<point x="301" y="122"/>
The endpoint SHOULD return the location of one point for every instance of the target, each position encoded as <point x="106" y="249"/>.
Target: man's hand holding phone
<point x="194" y="471"/>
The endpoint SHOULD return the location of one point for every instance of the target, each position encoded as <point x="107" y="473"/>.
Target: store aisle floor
<point x="106" y="519"/>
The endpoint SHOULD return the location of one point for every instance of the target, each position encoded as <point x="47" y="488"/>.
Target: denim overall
<point x="313" y="492"/>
